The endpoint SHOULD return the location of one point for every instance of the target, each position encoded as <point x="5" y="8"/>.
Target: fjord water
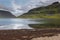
<point x="17" y="23"/>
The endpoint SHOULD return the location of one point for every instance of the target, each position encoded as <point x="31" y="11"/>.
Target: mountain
<point x="50" y="11"/>
<point x="6" y="14"/>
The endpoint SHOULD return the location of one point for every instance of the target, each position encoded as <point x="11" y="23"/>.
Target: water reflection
<point x="16" y="23"/>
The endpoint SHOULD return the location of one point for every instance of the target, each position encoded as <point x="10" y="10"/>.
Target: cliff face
<point x="6" y="14"/>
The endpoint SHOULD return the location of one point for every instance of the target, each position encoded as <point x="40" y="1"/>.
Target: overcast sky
<point x="21" y="6"/>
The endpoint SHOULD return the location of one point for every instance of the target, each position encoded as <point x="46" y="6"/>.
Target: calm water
<point x="16" y="23"/>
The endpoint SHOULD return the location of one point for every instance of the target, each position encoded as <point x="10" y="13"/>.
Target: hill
<point x="50" y="11"/>
<point x="6" y="14"/>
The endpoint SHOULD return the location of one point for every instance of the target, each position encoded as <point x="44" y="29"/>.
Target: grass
<point x="55" y="16"/>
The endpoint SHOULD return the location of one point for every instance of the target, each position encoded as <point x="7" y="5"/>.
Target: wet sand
<point x="31" y="34"/>
<point x="48" y="38"/>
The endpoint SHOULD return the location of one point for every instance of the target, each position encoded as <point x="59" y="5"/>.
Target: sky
<point x="19" y="7"/>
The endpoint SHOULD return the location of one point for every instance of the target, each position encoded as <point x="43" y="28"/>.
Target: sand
<point x="48" y="38"/>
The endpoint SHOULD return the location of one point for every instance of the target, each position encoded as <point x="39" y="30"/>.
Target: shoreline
<point x="28" y="34"/>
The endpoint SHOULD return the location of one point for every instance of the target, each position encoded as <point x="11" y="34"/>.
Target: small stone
<point x="4" y="33"/>
<point x="17" y="39"/>
<point x="24" y="36"/>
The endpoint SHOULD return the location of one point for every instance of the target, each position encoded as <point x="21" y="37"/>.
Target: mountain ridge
<point x="6" y="14"/>
<point x="50" y="11"/>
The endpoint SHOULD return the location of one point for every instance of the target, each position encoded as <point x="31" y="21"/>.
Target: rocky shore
<point x="28" y="34"/>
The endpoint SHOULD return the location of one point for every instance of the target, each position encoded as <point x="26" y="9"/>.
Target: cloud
<point x="20" y="9"/>
<point x="5" y="8"/>
<point x="2" y="7"/>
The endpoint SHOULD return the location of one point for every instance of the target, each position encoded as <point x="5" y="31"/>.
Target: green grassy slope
<point x="50" y="11"/>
